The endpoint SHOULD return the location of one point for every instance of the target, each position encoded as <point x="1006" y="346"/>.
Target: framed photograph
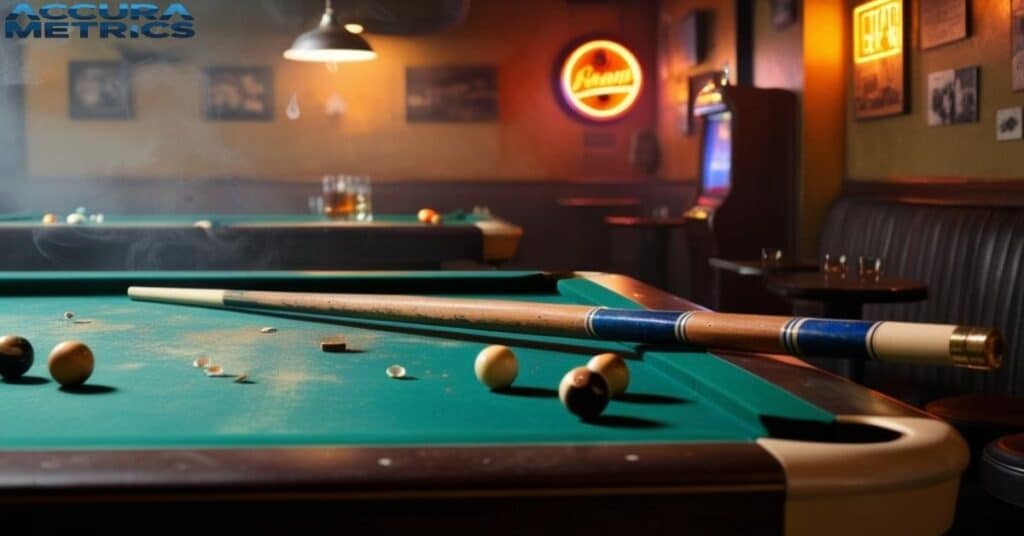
<point x="1017" y="39"/>
<point x="943" y="21"/>
<point x="880" y="59"/>
<point x="100" y="90"/>
<point x="451" y="94"/>
<point x="1008" y="124"/>
<point x="953" y="96"/>
<point x="784" y="13"/>
<point x="691" y="33"/>
<point x="238" y="93"/>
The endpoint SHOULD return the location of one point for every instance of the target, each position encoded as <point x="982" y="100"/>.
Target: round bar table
<point x="662" y="228"/>
<point x="844" y="297"/>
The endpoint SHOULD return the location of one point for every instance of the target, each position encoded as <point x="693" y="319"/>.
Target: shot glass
<point x="835" y="266"/>
<point x="771" y="257"/>
<point x="869" y="268"/>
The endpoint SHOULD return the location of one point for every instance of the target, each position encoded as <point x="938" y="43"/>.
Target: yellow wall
<point x="904" y="146"/>
<point x="680" y="153"/>
<point x="169" y="138"/>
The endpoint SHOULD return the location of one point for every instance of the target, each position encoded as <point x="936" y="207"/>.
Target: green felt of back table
<point x="453" y="218"/>
<point x="697" y="425"/>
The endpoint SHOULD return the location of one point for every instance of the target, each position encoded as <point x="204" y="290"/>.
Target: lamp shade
<point x="330" y="43"/>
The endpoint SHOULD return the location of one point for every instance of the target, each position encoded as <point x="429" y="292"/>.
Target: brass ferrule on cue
<point x="976" y="348"/>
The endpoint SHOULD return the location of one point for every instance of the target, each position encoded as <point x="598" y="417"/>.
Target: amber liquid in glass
<point x="340" y="205"/>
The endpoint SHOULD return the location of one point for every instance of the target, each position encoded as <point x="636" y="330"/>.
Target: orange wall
<point x="823" y="145"/>
<point x="169" y="138"/>
<point x="680" y="153"/>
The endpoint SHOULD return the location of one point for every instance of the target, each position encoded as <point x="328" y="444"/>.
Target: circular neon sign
<point x="601" y="80"/>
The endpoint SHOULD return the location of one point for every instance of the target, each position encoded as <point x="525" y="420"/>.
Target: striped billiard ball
<point x="584" y="393"/>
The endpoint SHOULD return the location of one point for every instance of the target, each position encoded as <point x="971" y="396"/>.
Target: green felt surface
<point x="146" y="394"/>
<point x="452" y="218"/>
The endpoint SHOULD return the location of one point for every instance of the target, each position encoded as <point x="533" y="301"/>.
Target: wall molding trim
<point x="945" y="191"/>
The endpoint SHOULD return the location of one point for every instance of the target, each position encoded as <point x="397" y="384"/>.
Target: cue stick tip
<point x="977" y="348"/>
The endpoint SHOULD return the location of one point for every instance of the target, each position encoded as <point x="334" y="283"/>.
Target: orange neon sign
<point x="601" y="80"/>
<point x="877" y="30"/>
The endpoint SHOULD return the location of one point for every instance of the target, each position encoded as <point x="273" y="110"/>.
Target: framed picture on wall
<point x="451" y="94"/>
<point x="691" y="33"/>
<point x="880" y="83"/>
<point x="1008" y="124"/>
<point x="100" y="90"/>
<point x="953" y="96"/>
<point x="1017" y="42"/>
<point x="232" y="93"/>
<point x="943" y="21"/>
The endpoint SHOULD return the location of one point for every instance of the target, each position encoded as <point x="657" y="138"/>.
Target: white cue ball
<point x="496" y="367"/>
<point x="613" y="368"/>
<point x="76" y="219"/>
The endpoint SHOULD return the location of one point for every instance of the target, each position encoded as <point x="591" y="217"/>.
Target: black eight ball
<point x="584" y="392"/>
<point x="16" y="357"/>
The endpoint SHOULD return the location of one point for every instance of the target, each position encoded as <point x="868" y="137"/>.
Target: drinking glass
<point x="869" y="268"/>
<point x="771" y="256"/>
<point x="339" y="197"/>
<point x="835" y="265"/>
<point x="363" y="189"/>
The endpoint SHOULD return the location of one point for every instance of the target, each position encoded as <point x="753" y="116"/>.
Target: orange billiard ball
<point x="614" y="369"/>
<point x="426" y="215"/>
<point x="436" y="219"/>
<point x="50" y="218"/>
<point x="70" y="363"/>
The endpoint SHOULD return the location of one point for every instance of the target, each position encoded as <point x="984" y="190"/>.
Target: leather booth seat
<point x="971" y="257"/>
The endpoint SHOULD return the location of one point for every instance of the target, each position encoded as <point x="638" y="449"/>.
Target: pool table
<point x="254" y="242"/>
<point x="703" y="441"/>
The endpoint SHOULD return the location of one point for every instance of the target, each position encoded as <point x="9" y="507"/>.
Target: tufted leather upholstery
<point x="973" y="261"/>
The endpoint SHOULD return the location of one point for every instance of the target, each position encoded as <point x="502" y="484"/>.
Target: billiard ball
<point x="426" y="215"/>
<point x="613" y="368"/>
<point x="70" y="363"/>
<point x="584" y="392"/>
<point x="16" y="357"/>
<point x="436" y="219"/>
<point x="50" y="219"/>
<point x="76" y="219"/>
<point x="496" y="366"/>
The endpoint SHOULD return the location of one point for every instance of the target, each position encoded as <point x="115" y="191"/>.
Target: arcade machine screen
<point x="716" y="173"/>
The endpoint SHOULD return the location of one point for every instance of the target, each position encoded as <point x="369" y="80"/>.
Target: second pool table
<point x="254" y="242"/>
<point x="704" y="441"/>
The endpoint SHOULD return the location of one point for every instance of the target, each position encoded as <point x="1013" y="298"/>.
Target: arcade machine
<point x="748" y="191"/>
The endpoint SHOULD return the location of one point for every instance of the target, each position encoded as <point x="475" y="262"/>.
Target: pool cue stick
<point x="896" y="342"/>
